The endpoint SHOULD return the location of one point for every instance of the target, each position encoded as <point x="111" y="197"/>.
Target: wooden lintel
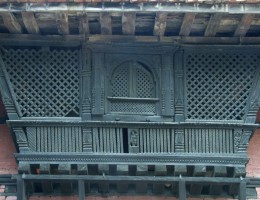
<point x="213" y="25"/>
<point x="41" y="40"/>
<point x="62" y="23"/>
<point x="83" y="25"/>
<point x="187" y="23"/>
<point x="160" y="24"/>
<point x="11" y="23"/>
<point x="128" y="23"/>
<point x="105" y="23"/>
<point x="30" y="22"/>
<point x="244" y="25"/>
<point x="75" y="40"/>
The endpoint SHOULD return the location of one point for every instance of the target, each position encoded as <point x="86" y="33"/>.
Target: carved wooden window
<point x="132" y="89"/>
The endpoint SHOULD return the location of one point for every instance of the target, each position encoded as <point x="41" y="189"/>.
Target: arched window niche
<point x="132" y="90"/>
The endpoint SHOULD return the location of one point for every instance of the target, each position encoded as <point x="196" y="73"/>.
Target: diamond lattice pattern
<point x="218" y="84"/>
<point x="45" y="82"/>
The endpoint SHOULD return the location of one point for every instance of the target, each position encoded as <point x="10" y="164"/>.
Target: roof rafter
<point x="213" y="24"/>
<point x="128" y="23"/>
<point x="244" y="25"/>
<point x="187" y="23"/>
<point x="11" y="23"/>
<point x="160" y="24"/>
<point x="62" y="23"/>
<point x="105" y="23"/>
<point x="30" y="23"/>
<point x="83" y="24"/>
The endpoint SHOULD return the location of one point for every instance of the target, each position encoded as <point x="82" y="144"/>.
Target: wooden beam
<point x="83" y="24"/>
<point x="30" y="23"/>
<point x="75" y="40"/>
<point x="160" y="24"/>
<point x="213" y="25"/>
<point x="11" y="23"/>
<point x="105" y="23"/>
<point x="62" y="23"/>
<point x="187" y="23"/>
<point x="244" y="25"/>
<point x="41" y="40"/>
<point x="128" y="23"/>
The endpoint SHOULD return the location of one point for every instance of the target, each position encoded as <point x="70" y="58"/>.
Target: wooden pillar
<point x="21" y="191"/>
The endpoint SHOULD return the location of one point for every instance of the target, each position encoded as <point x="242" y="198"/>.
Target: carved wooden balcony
<point x="139" y="110"/>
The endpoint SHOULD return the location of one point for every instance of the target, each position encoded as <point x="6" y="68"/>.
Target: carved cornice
<point x="168" y="159"/>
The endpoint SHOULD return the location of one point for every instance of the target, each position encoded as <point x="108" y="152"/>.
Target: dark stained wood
<point x="128" y="23"/>
<point x="160" y="24"/>
<point x="62" y="23"/>
<point x="75" y="40"/>
<point x="46" y="40"/>
<point x="244" y="25"/>
<point x="213" y="25"/>
<point x="30" y="22"/>
<point x="83" y="25"/>
<point x="105" y="23"/>
<point x="11" y="23"/>
<point x="187" y="23"/>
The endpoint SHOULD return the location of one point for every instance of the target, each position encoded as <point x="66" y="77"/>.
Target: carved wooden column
<point x="86" y="84"/>
<point x="179" y="100"/>
<point x="167" y="86"/>
<point x="179" y="87"/>
<point x="86" y="98"/>
<point x="98" y="88"/>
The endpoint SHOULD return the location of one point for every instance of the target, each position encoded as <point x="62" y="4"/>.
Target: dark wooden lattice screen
<point x="45" y="82"/>
<point x="218" y="84"/>
<point x="133" y="82"/>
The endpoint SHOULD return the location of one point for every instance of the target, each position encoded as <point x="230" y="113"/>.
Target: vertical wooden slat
<point x="101" y="139"/>
<point x="171" y="138"/>
<point x="121" y="140"/>
<point x="49" y="136"/>
<point x="95" y="138"/>
<point x="141" y="142"/>
<point x="145" y="139"/>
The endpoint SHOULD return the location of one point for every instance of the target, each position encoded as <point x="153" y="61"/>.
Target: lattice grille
<point x="144" y="84"/>
<point x="133" y="107"/>
<point x="218" y="84"/>
<point x="46" y="83"/>
<point x="120" y="80"/>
